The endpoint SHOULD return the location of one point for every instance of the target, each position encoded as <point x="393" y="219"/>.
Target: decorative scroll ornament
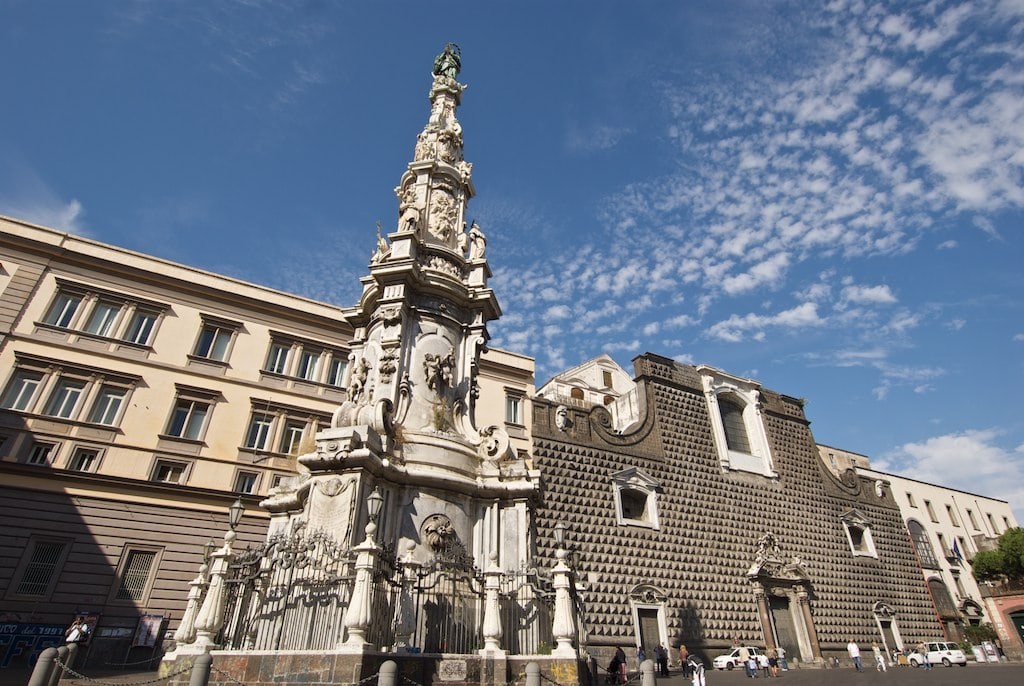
<point x="495" y="444"/>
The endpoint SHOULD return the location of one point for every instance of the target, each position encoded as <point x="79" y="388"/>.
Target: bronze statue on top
<point x="449" y="62"/>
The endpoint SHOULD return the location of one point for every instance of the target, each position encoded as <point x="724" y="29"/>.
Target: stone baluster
<point x="186" y="632"/>
<point x="562" y="627"/>
<point x="406" y="625"/>
<point x="492" y="610"/>
<point x="211" y="615"/>
<point x="360" y="606"/>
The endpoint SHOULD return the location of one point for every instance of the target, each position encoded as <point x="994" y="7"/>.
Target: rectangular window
<point x="169" y="472"/>
<point x="1006" y="523"/>
<point x="40" y="571"/>
<point x="103" y="318"/>
<point x="963" y="547"/>
<point x="84" y="460"/>
<point x="974" y="520"/>
<point x="107" y="407"/>
<point x="188" y="419"/>
<point x="309" y="364"/>
<point x="21" y="390"/>
<point x="277" y="480"/>
<point x="910" y="500"/>
<point x="513" y="409"/>
<point x="138" y="568"/>
<point x="64" y="399"/>
<point x="944" y="546"/>
<point x="62" y="311"/>
<point x="992" y="523"/>
<point x="336" y="374"/>
<point x="952" y="516"/>
<point x="245" y="482"/>
<point x="291" y="437"/>
<point x="42" y="453"/>
<point x="607" y="378"/>
<point x="277" y="360"/>
<point x="140" y="328"/>
<point x="931" y="511"/>
<point x="260" y="428"/>
<point x="214" y="342"/>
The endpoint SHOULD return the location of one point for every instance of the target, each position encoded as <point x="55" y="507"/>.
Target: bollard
<point x="44" y="663"/>
<point x="56" y="672"/>
<point x="388" y="674"/>
<point x="532" y="674"/>
<point x="201" y="670"/>
<point x="647" y="673"/>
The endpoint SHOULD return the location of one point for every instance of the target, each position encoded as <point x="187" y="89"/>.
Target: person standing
<point x="684" y="659"/>
<point x="78" y="632"/>
<point x="854" y="650"/>
<point x="661" y="655"/>
<point x="879" y="658"/>
<point x="773" y="661"/>
<point x="641" y="655"/>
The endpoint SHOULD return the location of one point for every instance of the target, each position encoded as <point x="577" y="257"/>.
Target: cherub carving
<point x="357" y="385"/>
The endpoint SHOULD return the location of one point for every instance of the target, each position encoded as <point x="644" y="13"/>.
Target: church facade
<point x="711" y="520"/>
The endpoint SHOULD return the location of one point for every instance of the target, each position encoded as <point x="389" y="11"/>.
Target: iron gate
<point x="288" y="594"/>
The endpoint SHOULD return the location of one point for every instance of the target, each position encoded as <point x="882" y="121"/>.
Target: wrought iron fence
<point x="288" y="594"/>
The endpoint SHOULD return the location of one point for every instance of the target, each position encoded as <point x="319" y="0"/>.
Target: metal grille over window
<point x="136" y="575"/>
<point x="40" y="568"/>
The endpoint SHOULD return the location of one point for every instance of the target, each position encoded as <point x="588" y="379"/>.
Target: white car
<point x="940" y="652"/>
<point x="732" y="660"/>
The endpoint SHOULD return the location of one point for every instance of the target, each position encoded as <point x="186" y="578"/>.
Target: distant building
<point x="139" y="398"/>
<point x="712" y="519"/>
<point x="948" y="527"/>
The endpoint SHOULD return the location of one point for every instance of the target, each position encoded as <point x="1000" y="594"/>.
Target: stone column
<point x="764" y="612"/>
<point x="805" y="611"/>
<point x="360" y="605"/>
<point x="211" y="615"/>
<point x="564" y="623"/>
<point x="492" y="611"/>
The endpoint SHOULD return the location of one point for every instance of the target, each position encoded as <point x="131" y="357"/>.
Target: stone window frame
<point x="218" y="328"/>
<point x="922" y="543"/>
<point x="54" y="375"/>
<point x="121" y="329"/>
<point x="240" y="474"/>
<point x="76" y="450"/>
<point x="635" y="480"/>
<point x="295" y="351"/>
<point x="747" y="395"/>
<point x="18" y="578"/>
<point x="127" y="554"/>
<point x="857" y="527"/>
<point x="280" y="416"/>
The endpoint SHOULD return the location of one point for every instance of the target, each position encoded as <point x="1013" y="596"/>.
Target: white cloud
<point x="876" y="295"/>
<point x="995" y="470"/>
<point x="30" y="198"/>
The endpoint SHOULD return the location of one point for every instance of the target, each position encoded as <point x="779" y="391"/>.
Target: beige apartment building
<point x="139" y="399"/>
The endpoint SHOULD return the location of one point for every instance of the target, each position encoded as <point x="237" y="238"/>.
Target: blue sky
<point x="826" y="197"/>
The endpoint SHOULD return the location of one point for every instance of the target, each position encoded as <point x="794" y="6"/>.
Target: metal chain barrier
<point x="225" y="675"/>
<point x="366" y="680"/>
<point x="408" y="680"/>
<point x="82" y="677"/>
<point x="130" y="664"/>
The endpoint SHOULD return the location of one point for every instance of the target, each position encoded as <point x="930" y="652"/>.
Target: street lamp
<point x="235" y="513"/>
<point x="374" y="503"/>
<point x="560" y="535"/>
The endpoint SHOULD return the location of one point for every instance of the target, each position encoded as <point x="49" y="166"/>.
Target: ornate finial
<point x="449" y="62"/>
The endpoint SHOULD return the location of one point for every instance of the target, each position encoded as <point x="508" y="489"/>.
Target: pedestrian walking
<point x="880" y="665"/>
<point x="854" y="650"/>
<point x="781" y="652"/>
<point x="762" y="664"/>
<point x="922" y="650"/>
<point x="773" y="661"/>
